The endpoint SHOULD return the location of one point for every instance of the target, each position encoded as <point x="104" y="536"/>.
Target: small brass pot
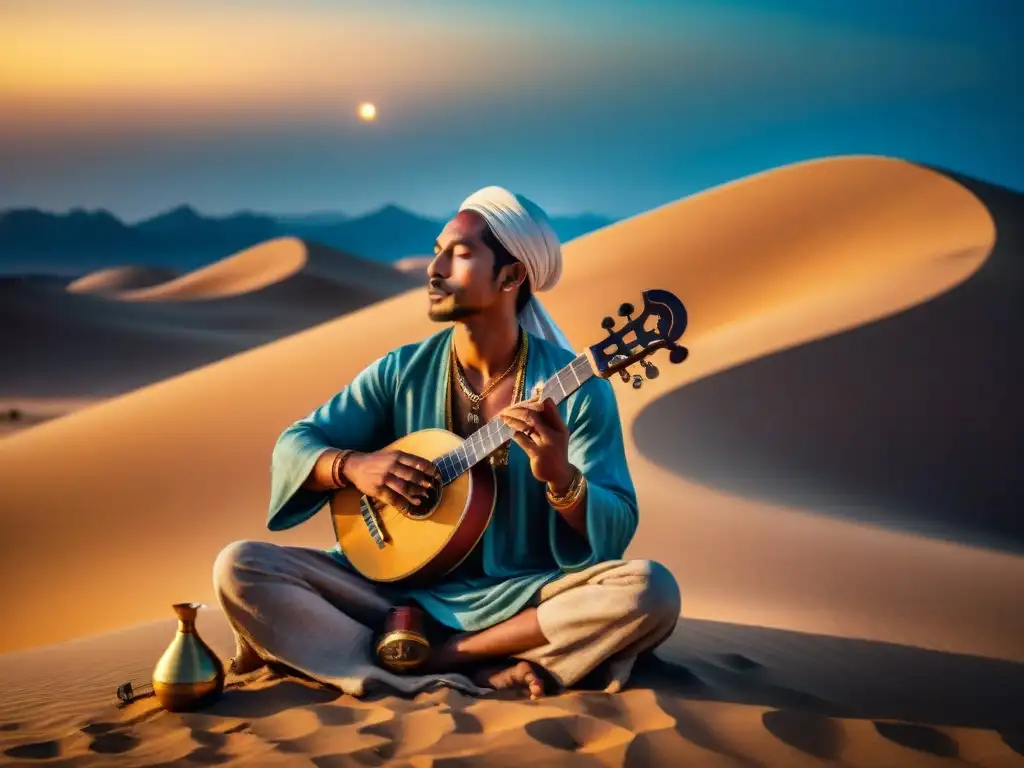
<point x="189" y="675"/>
<point x="403" y="646"/>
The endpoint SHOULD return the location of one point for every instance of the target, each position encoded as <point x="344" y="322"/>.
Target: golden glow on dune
<point x="763" y="264"/>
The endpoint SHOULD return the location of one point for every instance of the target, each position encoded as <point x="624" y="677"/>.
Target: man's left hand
<point x="539" y="430"/>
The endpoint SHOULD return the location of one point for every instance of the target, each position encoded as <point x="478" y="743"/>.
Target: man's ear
<point x="514" y="277"/>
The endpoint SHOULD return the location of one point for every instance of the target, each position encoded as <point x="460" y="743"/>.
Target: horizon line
<point x="273" y="215"/>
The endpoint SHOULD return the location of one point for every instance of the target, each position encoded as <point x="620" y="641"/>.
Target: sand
<point x="22" y="413"/>
<point x="819" y="627"/>
<point x="746" y="697"/>
<point x="285" y="266"/>
<point x="98" y="337"/>
<point x="113" y="280"/>
<point x="414" y="264"/>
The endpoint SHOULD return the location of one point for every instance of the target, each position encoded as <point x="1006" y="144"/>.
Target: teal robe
<point x="528" y="543"/>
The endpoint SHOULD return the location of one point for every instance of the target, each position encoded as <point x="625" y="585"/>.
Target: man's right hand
<point x="394" y="477"/>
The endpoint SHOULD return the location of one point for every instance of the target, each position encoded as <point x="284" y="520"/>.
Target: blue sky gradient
<point x="585" y="105"/>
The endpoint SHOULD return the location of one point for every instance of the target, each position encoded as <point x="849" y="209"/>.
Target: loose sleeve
<point x="360" y="417"/>
<point x="596" y="448"/>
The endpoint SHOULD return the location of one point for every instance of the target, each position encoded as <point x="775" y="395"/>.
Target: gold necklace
<point x="476" y="400"/>
<point x="500" y="456"/>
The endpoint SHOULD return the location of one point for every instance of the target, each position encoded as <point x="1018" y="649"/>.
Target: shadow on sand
<point x="811" y="681"/>
<point x="836" y="677"/>
<point x="808" y="686"/>
<point x="915" y="421"/>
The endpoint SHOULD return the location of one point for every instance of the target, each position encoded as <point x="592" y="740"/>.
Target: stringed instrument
<point x="386" y="544"/>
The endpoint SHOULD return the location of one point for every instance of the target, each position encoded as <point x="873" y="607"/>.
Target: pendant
<point x="473" y="417"/>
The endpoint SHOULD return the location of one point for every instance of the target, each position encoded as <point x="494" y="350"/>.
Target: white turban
<point x="523" y="228"/>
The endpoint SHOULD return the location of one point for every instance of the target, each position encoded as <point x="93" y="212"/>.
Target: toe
<point x="536" y="688"/>
<point x="534" y="684"/>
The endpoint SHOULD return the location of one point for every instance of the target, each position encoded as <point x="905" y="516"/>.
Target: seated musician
<point x="545" y="599"/>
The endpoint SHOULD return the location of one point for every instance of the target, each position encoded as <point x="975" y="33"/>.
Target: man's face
<point x="461" y="276"/>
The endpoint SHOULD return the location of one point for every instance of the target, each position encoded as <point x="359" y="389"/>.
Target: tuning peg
<point x="650" y="369"/>
<point x="678" y="354"/>
<point x="638" y="381"/>
<point x="625" y="310"/>
<point x="624" y="374"/>
<point x="608" y="323"/>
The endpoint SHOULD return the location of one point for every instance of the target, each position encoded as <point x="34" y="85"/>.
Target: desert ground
<point x="121" y="328"/>
<point x="832" y="476"/>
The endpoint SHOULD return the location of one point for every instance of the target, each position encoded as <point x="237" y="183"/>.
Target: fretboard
<point x="494" y="434"/>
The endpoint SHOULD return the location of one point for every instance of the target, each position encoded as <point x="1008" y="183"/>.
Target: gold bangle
<point x="572" y="493"/>
<point x="577" y="478"/>
<point x="573" y="500"/>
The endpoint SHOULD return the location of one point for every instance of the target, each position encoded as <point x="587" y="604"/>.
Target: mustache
<point x="437" y="286"/>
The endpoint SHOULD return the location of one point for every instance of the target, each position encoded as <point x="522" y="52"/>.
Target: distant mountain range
<point x="37" y="241"/>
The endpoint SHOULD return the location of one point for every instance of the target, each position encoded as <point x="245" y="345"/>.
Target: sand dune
<point x="22" y="413"/>
<point x="802" y="256"/>
<point x="75" y="345"/>
<point x="912" y="421"/>
<point x="302" y="267"/>
<point x="250" y="270"/>
<point x="92" y="344"/>
<point x="414" y="264"/>
<point x="113" y="280"/>
<point x="813" y="249"/>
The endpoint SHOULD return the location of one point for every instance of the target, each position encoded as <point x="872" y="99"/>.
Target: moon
<point x="367" y="112"/>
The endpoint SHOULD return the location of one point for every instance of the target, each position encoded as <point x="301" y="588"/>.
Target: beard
<point x="449" y="310"/>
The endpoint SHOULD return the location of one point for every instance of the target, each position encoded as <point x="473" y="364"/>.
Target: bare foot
<point x="245" y="662"/>
<point x="520" y="675"/>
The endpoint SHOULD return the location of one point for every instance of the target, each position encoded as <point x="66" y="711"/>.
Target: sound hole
<point x="426" y="508"/>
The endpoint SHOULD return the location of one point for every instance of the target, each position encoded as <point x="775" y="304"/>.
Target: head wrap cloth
<point x="523" y="228"/>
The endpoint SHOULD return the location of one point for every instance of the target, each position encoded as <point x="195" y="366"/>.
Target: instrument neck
<point x="495" y="433"/>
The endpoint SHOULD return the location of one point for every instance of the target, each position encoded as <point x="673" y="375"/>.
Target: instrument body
<point x="418" y="549"/>
<point x="385" y="544"/>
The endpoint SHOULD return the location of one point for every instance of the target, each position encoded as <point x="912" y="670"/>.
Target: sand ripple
<point x="273" y="721"/>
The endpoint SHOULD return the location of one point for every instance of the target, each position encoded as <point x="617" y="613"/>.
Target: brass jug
<point x="189" y="675"/>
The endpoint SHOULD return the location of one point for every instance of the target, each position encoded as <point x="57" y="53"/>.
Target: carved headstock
<point x="660" y="323"/>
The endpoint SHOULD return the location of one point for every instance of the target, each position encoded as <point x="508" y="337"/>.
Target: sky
<point x="583" y="105"/>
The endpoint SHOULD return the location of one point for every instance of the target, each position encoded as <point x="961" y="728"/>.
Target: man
<point x="545" y="599"/>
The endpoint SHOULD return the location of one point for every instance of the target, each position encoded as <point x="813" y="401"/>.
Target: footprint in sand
<point x="41" y="750"/>
<point x="693" y="729"/>
<point x="466" y="723"/>
<point x="335" y="714"/>
<point x="107" y="740"/>
<point x="209" y="741"/>
<point x="577" y="733"/>
<point x="213" y="749"/>
<point x="923" y="738"/>
<point x="816" y="735"/>
<point x="206" y="756"/>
